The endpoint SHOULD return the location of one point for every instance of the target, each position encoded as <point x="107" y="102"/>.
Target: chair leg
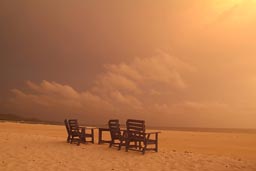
<point x="83" y="139"/>
<point x="92" y="132"/>
<point x="110" y="144"/>
<point x="120" y="145"/>
<point x="156" y="142"/>
<point x="140" y="146"/>
<point x="143" y="151"/>
<point x="145" y="147"/>
<point x="127" y="144"/>
<point x="71" y="140"/>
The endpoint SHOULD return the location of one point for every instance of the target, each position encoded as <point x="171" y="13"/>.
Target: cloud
<point x="122" y="87"/>
<point x="53" y="88"/>
<point x="153" y="88"/>
<point x="134" y="85"/>
<point x="161" y="69"/>
<point x="54" y="100"/>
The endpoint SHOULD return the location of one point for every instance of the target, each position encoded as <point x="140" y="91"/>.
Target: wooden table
<point x="89" y="135"/>
<point x="101" y="130"/>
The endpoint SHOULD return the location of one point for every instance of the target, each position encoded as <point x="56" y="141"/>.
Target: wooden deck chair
<point x="76" y="133"/>
<point x="138" y="139"/>
<point x="117" y="136"/>
<point x="81" y="132"/>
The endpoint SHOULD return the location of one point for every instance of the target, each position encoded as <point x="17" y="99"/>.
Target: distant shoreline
<point x="185" y="129"/>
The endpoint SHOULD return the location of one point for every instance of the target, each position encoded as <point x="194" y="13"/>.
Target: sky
<point x="186" y="63"/>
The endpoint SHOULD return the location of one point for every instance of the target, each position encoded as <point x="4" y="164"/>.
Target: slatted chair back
<point x="114" y="128"/>
<point x="135" y="129"/>
<point x="73" y="125"/>
<point x="67" y="129"/>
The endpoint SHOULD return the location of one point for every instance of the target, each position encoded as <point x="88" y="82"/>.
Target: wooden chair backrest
<point x="67" y="126"/>
<point x="114" y="128"/>
<point x="135" y="128"/>
<point x="73" y="125"/>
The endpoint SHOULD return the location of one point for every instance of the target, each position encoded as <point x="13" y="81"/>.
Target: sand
<point x="43" y="147"/>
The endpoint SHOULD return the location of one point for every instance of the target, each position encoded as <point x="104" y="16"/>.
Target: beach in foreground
<point x="43" y="147"/>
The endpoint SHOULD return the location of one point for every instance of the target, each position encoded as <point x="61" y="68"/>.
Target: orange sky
<point x="172" y="63"/>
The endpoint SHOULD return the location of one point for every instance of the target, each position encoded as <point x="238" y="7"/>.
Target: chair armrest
<point x="157" y="132"/>
<point x="150" y="133"/>
<point x="90" y="127"/>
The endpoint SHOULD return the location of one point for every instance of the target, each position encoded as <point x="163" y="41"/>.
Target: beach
<point x="43" y="147"/>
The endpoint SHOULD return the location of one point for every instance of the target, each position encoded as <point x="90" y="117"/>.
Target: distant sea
<point x="18" y="119"/>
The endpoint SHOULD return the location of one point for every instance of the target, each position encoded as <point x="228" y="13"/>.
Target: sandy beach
<point x="43" y="147"/>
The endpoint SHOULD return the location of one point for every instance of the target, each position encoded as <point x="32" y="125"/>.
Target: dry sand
<point x="43" y="147"/>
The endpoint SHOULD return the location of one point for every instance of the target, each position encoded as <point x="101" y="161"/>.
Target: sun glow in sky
<point x="222" y="6"/>
<point x="172" y="63"/>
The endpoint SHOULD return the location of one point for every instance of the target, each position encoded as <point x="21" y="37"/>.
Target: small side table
<point x="101" y="130"/>
<point x="90" y="135"/>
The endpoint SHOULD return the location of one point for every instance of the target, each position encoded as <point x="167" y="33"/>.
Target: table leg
<point x="92" y="130"/>
<point x="100" y="136"/>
